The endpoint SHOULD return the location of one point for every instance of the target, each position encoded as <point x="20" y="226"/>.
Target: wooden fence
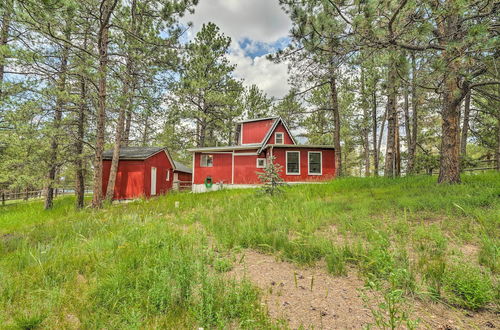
<point x="182" y="185"/>
<point x="14" y="197"/>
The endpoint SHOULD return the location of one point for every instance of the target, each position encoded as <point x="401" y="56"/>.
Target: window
<point x="315" y="160"/>
<point x="279" y="138"/>
<point x="293" y="162"/>
<point x="261" y="163"/>
<point x="207" y="161"/>
<point x="168" y="175"/>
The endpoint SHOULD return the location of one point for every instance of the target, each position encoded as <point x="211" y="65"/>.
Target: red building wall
<point x="162" y="164"/>
<point x="221" y="170"/>
<point x="133" y="178"/>
<point x="328" y="164"/>
<point x="183" y="176"/>
<point x="255" y="131"/>
<point x="280" y="128"/>
<point x="245" y="167"/>
<point x="129" y="178"/>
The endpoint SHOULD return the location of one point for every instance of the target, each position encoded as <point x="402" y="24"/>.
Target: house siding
<point x="133" y="179"/>
<point x="328" y="164"/>
<point x="280" y="129"/>
<point x="254" y="132"/>
<point x="220" y="171"/>
<point x="129" y="179"/>
<point x="162" y="164"/>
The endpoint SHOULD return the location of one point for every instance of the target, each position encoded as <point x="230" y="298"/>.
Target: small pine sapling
<point x="270" y="178"/>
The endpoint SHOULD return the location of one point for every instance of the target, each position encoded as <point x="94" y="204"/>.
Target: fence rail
<point x="14" y="197"/>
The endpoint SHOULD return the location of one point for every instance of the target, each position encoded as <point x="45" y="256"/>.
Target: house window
<point x="261" y="163"/>
<point x="168" y="175"/>
<point x="279" y="138"/>
<point x="315" y="163"/>
<point x="207" y="161"/>
<point x="293" y="162"/>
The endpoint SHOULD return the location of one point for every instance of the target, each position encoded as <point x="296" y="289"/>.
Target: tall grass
<point x="151" y="264"/>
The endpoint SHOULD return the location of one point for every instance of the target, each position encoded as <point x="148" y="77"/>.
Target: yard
<point x="352" y="252"/>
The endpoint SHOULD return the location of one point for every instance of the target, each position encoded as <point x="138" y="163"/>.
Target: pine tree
<point x="270" y="178"/>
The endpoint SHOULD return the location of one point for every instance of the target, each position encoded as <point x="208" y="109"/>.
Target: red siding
<point x="133" y="178"/>
<point x="129" y="179"/>
<point x="220" y="171"/>
<point x="162" y="164"/>
<point x="328" y="164"/>
<point x="183" y="176"/>
<point x="245" y="167"/>
<point x="255" y="131"/>
<point x="280" y="128"/>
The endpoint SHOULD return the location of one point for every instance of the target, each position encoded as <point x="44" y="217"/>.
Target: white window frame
<point x="201" y="160"/>
<point x="168" y="175"/>
<point x="286" y="164"/>
<point x="282" y="138"/>
<point x="263" y="166"/>
<point x="320" y="162"/>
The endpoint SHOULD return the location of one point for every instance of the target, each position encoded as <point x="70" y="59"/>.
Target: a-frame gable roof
<point x="271" y="130"/>
<point x="138" y="153"/>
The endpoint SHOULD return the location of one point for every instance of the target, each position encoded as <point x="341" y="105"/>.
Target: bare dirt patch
<point x="312" y="298"/>
<point x="333" y="302"/>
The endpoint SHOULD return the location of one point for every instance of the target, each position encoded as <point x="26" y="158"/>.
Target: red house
<point x="144" y="171"/>
<point x="258" y="139"/>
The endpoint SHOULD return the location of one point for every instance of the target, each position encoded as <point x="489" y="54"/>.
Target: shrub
<point x="468" y="287"/>
<point x="270" y="178"/>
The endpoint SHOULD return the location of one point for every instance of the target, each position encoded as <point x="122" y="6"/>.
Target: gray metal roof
<point x="308" y="146"/>
<point x="137" y="153"/>
<point x="256" y="119"/>
<point x="228" y="148"/>
<point x="182" y="168"/>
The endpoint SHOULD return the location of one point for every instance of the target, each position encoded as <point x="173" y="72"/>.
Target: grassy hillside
<point x="148" y="263"/>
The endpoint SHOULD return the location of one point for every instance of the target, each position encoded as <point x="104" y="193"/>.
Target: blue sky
<point x="257" y="28"/>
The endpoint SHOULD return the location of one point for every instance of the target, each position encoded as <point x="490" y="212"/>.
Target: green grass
<point x="150" y="264"/>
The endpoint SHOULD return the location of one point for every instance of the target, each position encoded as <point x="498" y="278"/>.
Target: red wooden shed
<point x="143" y="171"/>
<point x="258" y="139"/>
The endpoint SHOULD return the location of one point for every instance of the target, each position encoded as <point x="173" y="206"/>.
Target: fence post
<point x="3" y="197"/>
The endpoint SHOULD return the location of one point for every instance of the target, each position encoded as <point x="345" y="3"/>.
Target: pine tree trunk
<point x="119" y="131"/>
<point x="202" y="133"/>
<point x="129" y="69"/>
<point x="145" y="132"/>
<point x="366" y="126"/>
<point x="79" y="166"/>
<point x="336" y="125"/>
<point x="412" y="148"/>
<point x="449" y="171"/>
<point x="107" y="7"/>
<point x="408" y="134"/>
<point x="449" y="168"/>
<point x="465" y="126"/>
<point x="4" y="38"/>
<point x="497" y="153"/>
<point x="374" y="132"/>
<point x="128" y="124"/>
<point x="56" y="126"/>
<point x="391" y="154"/>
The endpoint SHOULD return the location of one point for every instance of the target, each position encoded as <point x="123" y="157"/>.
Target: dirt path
<point x="312" y="298"/>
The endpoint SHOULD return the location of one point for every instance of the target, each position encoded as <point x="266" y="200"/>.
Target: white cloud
<point x="261" y="20"/>
<point x="269" y="76"/>
<point x="263" y="23"/>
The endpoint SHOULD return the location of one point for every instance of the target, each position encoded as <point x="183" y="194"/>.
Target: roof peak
<point x="258" y="119"/>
